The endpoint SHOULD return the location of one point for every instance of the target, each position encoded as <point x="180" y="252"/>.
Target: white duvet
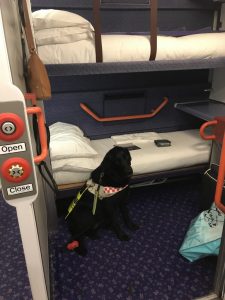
<point x="121" y="48"/>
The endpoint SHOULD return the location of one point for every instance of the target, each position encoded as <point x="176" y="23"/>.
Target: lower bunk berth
<point x="74" y="156"/>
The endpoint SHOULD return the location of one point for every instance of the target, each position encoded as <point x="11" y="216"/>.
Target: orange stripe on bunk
<point x="122" y="118"/>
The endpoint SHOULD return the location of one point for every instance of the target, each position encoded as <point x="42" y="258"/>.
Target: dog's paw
<point x="133" y="226"/>
<point x="124" y="237"/>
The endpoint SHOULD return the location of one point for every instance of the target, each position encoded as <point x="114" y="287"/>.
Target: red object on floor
<point x="72" y="245"/>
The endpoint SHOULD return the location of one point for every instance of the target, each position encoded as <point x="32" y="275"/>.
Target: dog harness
<point x="99" y="192"/>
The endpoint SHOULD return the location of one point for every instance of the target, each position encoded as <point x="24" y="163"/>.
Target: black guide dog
<point x="113" y="175"/>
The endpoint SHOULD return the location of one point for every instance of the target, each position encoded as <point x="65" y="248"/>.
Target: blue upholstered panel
<point x="146" y="90"/>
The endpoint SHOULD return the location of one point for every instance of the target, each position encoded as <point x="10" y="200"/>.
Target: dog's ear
<point x="97" y="174"/>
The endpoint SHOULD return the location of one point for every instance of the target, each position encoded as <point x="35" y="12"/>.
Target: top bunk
<point x="185" y="34"/>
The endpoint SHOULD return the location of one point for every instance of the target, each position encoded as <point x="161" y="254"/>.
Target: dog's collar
<point x="103" y="191"/>
<point x="99" y="192"/>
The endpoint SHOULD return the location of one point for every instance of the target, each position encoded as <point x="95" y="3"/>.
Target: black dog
<point x="109" y="186"/>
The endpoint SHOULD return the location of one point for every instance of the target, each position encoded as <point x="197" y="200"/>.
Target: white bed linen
<point x="187" y="149"/>
<point x="121" y="48"/>
<point x="135" y="137"/>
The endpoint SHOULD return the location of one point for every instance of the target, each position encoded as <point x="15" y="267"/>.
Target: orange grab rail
<point x="203" y="127"/>
<point x="43" y="136"/>
<point x="31" y="97"/>
<point x="122" y="118"/>
<point x="220" y="179"/>
<point x="221" y="172"/>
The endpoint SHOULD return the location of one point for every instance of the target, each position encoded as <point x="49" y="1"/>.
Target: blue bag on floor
<point x="204" y="235"/>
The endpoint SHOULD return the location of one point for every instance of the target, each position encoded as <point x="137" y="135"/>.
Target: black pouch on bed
<point x="162" y="143"/>
<point x="208" y="188"/>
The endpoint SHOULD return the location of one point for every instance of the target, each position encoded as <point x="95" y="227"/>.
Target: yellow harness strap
<point x="78" y="197"/>
<point x="74" y="202"/>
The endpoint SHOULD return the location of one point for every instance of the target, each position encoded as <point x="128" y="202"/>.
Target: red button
<point x="16" y="169"/>
<point x="17" y="122"/>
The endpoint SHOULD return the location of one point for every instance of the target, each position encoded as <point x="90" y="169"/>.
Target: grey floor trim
<point x="208" y="297"/>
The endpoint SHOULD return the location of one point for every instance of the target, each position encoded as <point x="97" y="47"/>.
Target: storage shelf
<point x="205" y="110"/>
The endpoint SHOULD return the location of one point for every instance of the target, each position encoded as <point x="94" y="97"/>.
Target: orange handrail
<point x="42" y="132"/>
<point x="220" y="179"/>
<point x="220" y="137"/>
<point x="31" y="97"/>
<point x="203" y="127"/>
<point x="122" y="118"/>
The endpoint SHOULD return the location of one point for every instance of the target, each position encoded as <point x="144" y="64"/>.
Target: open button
<point x="11" y="127"/>
<point x="8" y="128"/>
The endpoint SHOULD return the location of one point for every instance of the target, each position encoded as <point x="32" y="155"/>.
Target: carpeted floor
<point x="14" y="283"/>
<point x="149" y="266"/>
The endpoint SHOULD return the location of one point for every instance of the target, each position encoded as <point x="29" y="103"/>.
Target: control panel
<point x="17" y="169"/>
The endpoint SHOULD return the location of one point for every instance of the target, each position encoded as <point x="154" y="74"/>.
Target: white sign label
<point x="6" y="149"/>
<point x="20" y="189"/>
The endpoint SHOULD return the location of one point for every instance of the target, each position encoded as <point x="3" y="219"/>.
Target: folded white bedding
<point x="121" y="48"/>
<point x="135" y="137"/>
<point x="76" y="164"/>
<point x="68" y="141"/>
<point x="64" y="177"/>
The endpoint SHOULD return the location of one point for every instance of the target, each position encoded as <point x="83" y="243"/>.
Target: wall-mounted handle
<point x="220" y="179"/>
<point x="122" y="118"/>
<point x="42" y="132"/>
<point x="219" y="136"/>
<point x="203" y="127"/>
<point x="31" y="97"/>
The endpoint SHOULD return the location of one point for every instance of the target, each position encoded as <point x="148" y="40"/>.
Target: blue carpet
<point x="14" y="282"/>
<point x="147" y="267"/>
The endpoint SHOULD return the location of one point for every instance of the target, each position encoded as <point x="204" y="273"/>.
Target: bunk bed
<point x="92" y="95"/>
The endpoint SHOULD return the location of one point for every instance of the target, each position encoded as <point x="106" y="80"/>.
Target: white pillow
<point x="59" y="128"/>
<point x="67" y="141"/>
<point x="63" y="35"/>
<point x="53" y="18"/>
<point x="78" y="164"/>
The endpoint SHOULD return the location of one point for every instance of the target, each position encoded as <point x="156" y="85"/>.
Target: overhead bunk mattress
<point x="130" y="48"/>
<point x="187" y="149"/>
<point x="66" y="44"/>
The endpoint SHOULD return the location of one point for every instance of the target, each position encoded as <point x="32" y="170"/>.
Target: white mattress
<point x="121" y="48"/>
<point x="187" y="149"/>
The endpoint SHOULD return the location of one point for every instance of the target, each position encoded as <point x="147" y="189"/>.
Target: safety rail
<point x="123" y="118"/>
<point x="218" y="127"/>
